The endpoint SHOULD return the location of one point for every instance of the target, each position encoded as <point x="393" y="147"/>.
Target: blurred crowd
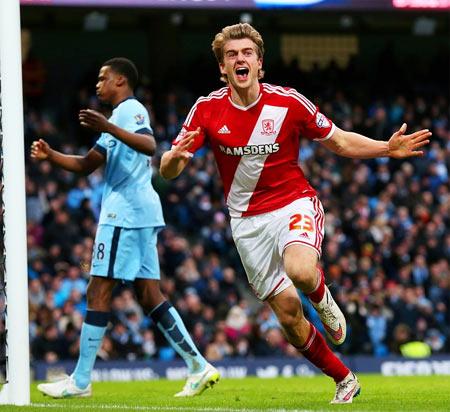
<point x="386" y="251"/>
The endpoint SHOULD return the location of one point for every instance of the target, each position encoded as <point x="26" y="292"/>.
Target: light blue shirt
<point x="128" y="199"/>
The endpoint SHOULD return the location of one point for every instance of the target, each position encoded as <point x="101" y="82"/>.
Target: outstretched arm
<point x="143" y="143"/>
<point x="41" y="150"/>
<point x="175" y="160"/>
<point x="357" y="146"/>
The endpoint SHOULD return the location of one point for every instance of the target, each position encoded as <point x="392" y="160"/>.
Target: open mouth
<point x="242" y="73"/>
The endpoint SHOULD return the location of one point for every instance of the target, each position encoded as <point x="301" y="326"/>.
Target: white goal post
<point x="17" y="389"/>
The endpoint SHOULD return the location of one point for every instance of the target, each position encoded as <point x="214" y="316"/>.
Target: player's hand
<point x="181" y="150"/>
<point x="40" y="149"/>
<point x="93" y="120"/>
<point x="403" y="145"/>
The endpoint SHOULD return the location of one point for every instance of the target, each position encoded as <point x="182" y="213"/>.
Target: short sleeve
<point x="314" y="125"/>
<point x="134" y="117"/>
<point x="318" y="127"/>
<point x="192" y="122"/>
<point x="101" y="145"/>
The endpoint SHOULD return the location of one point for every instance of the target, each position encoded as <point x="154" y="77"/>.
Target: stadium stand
<point x="386" y="250"/>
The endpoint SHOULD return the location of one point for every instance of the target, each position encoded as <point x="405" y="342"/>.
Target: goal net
<point x="3" y="378"/>
<point x="14" y="341"/>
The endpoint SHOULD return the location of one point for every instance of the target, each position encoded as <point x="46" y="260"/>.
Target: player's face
<point x="106" y="84"/>
<point x="241" y="63"/>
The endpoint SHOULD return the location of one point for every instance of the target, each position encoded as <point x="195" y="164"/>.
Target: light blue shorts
<point x="125" y="254"/>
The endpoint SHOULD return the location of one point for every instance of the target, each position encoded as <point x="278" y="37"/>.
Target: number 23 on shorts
<point x="301" y="222"/>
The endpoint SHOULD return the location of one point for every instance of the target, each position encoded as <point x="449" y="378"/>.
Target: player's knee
<point x="302" y="275"/>
<point x="98" y="295"/>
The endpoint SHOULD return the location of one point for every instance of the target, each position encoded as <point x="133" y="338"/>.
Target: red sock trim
<point x="309" y="341"/>
<point x="317" y="294"/>
<point x="319" y="354"/>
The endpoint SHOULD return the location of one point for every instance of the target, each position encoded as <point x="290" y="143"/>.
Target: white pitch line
<point x="93" y="406"/>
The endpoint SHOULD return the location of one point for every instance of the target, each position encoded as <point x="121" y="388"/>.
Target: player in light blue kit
<point x="125" y="243"/>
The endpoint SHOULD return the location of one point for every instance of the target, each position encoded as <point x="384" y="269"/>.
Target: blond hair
<point x="237" y="32"/>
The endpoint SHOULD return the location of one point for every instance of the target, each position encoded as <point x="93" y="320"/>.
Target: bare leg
<point x="99" y="292"/>
<point x="300" y="263"/>
<point x="288" y="309"/>
<point x="304" y="336"/>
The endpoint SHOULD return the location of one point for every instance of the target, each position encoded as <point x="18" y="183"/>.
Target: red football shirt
<point x="257" y="147"/>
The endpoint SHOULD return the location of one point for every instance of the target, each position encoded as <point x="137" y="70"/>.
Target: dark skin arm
<point x="41" y="150"/>
<point x="98" y="123"/>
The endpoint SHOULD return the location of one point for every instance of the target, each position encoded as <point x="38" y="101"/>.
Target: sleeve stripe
<point x="309" y="108"/>
<point x="100" y="149"/>
<point x="307" y="101"/>
<point x="215" y="95"/>
<point x="292" y="93"/>
<point x="294" y="97"/>
<point x="144" y="130"/>
<point x="191" y="114"/>
<point x="330" y="133"/>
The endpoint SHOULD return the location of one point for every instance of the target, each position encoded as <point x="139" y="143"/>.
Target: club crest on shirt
<point x="140" y="119"/>
<point x="322" y="121"/>
<point x="268" y="127"/>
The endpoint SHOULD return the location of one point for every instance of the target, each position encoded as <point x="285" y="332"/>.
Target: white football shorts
<point x="262" y="239"/>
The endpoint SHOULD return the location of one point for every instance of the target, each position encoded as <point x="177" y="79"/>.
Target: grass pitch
<point x="425" y="393"/>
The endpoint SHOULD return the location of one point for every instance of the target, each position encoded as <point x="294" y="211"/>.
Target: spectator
<point x="386" y="251"/>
